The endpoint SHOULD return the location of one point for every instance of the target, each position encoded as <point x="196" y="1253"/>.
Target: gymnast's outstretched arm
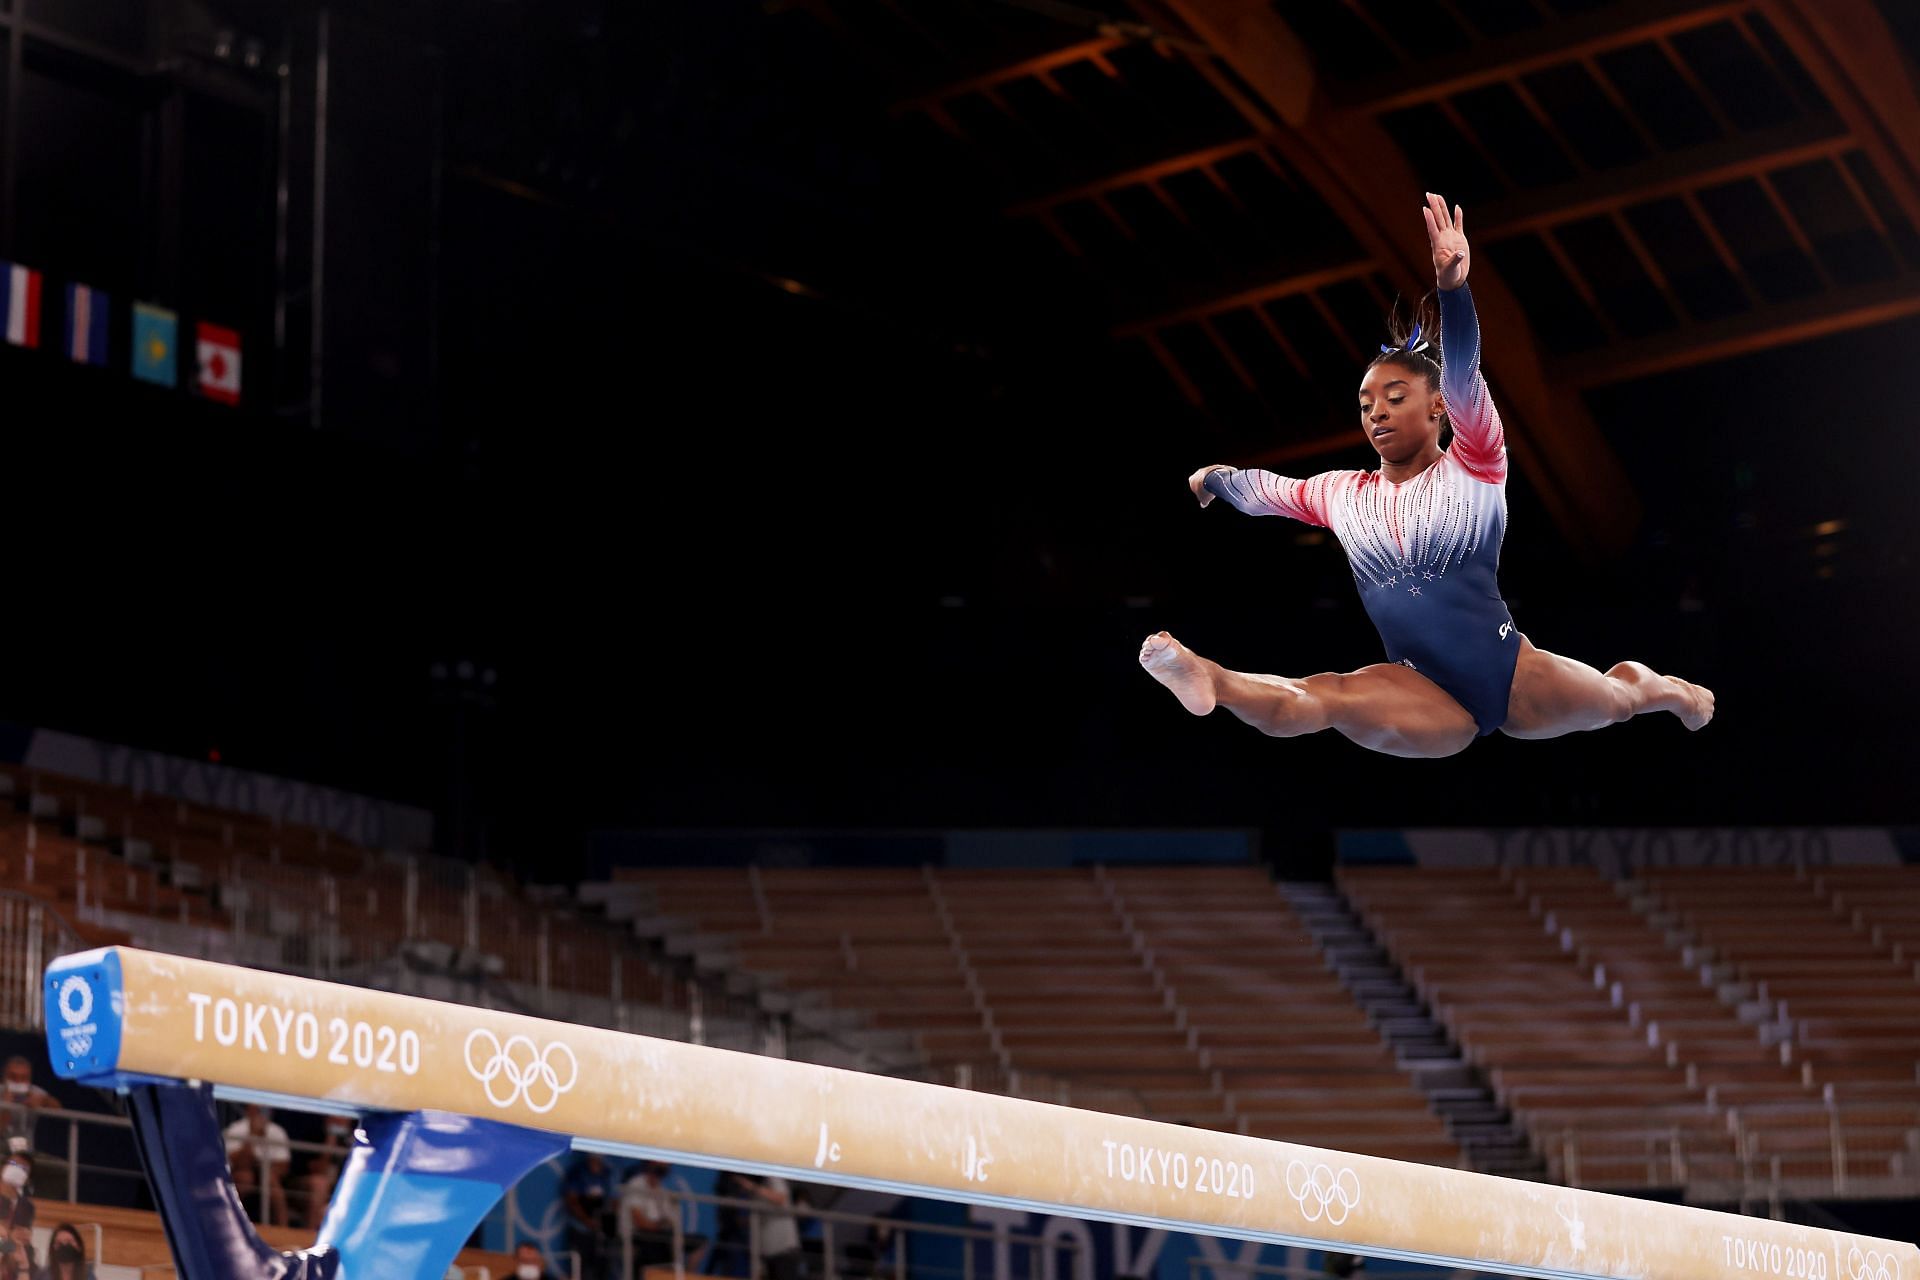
<point x="1262" y="493"/>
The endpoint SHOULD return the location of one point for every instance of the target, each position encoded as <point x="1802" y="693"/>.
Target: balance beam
<point x="122" y="1016"/>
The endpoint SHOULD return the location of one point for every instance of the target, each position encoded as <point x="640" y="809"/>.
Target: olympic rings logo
<point x="74" y="1010"/>
<point x="1322" y="1193"/>
<point x="1872" y="1265"/>
<point x="525" y="1072"/>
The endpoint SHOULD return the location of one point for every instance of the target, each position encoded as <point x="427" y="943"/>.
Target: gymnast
<point x="1422" y="535"/>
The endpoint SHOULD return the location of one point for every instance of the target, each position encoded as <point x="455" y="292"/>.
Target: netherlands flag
<point x="86" y="329"/>
<point x="20" y="303"/>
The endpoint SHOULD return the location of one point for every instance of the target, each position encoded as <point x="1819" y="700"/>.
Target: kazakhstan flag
<point x="155" y="344"/>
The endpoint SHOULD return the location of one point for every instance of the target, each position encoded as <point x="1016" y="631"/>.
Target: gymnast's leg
<point x="1385" y="708"/>
<point x="1553" y="696"/>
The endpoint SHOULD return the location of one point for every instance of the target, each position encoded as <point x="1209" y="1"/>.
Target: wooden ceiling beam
<point x="1153" y="171"/>
<point x="1671" y="173"/>
<point x="1286" y="287"/>
<point x="1038" y="64"/>
<point x="1772" y="326"/>
<point x="1676" y="173"/>
<point x="1360" y="172"/>
<point x="1851" y="53"/>
<point x="1510" y="57"/>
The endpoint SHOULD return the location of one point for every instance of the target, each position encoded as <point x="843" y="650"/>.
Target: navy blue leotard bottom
<point x="1469" y="646"/>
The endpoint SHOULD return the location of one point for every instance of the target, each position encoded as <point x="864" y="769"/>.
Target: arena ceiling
<point x="1650" y="185"/>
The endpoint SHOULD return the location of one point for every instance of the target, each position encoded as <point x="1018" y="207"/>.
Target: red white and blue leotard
<point x="1425" y="553"/>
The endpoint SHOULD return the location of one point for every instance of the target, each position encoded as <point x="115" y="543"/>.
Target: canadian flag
<point x="219" y="363"/>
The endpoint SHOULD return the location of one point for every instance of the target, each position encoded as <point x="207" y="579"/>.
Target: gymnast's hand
<point x="1447" y="234"/>
<point x="1198" y="479"/>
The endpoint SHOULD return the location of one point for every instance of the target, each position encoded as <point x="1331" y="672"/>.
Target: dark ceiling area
<point x="812" y="383"/>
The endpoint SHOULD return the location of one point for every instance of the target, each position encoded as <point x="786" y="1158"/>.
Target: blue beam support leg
<point x="417" y="1186"/>
<point x="413" y="1190"/>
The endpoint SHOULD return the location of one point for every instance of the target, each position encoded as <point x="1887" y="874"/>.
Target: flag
<point x="20" y="303"/>
<point x="86" y="333"/>
<point x="219" y="363"/>
<point x="155" y="330"/>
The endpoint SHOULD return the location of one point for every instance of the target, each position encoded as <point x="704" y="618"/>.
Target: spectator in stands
<point x="66" y="1256"/>
<point x="732" y="1235"/>
<point x="16" y="1209"/>
<point x="587" y="1193"/>
<point x="258" y="1154"/>
<point x="26" y="1098"/>
<point x="648" y="1210"/>
<point x="528" y="1264"/>
<point x="780" y="1255"/>
<point x="16" y="1201"/>
<point x="16" y="1262"/>
<point x="315" y="1186"/>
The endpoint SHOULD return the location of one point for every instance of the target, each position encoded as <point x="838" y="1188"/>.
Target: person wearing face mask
<point x="24" y="1099"/>
<point x="66" y="1256"/>
<point x="16" y="1211"/>
<point x="16" y="1201"/>
<point x="528" y="1264"/>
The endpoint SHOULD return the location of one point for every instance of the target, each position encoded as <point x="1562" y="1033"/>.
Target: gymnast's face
<point x="1399" y="412"/>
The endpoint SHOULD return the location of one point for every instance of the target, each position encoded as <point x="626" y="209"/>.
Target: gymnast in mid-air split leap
<point x="1422" y="534"/>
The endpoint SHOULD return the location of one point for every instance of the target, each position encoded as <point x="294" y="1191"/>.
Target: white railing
<point x="883" y="1243"/>
<point x="1748" y="1160"/>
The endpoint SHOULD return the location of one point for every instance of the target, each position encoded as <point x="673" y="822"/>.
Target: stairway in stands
<point x="1493" y="1141"/>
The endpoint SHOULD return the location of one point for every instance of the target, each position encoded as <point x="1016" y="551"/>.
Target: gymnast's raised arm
<point x="1479" y="440"/>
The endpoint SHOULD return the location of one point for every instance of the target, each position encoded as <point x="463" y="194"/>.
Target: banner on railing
<point x="1622" y="851"/>
<point x="1014" y="1244"/>
<point x="377" y="824"/>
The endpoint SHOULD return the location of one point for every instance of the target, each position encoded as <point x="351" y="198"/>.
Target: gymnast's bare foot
<point x="1181" y="670"/>
<point x="1696" y="705"/>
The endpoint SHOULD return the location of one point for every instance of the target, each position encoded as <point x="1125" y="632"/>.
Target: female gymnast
<point x="1422" y="535"/>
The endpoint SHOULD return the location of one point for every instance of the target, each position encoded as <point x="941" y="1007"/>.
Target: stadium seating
<point x="1718" y="1029"/>
<point x="1188" y="994"/>
<point x="121" y="867"/>
<point x="1711" y="1027"/>
<point x="1801" y="953"/>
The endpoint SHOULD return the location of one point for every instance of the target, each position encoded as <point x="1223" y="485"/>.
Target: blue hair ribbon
<point x="1414" y="344"/>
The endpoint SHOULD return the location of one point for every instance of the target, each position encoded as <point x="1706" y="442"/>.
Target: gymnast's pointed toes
<point x="1175" y="666"/>
<point x="1700" y="706"/>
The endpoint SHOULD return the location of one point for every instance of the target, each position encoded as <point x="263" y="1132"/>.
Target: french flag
<point x="86" y="334"/>
<point x="20" y="303"/>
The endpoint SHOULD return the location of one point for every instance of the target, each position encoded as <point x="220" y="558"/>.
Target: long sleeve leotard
<point x="1425" y="553"/>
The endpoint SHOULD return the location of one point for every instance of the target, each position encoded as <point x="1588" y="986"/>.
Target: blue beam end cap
<point x="86" y="1003"/>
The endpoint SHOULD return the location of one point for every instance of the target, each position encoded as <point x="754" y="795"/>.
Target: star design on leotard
<point x="1414" y="590"/>
<point x="1427" y="576"/>
<point x="1393" y="582"/>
